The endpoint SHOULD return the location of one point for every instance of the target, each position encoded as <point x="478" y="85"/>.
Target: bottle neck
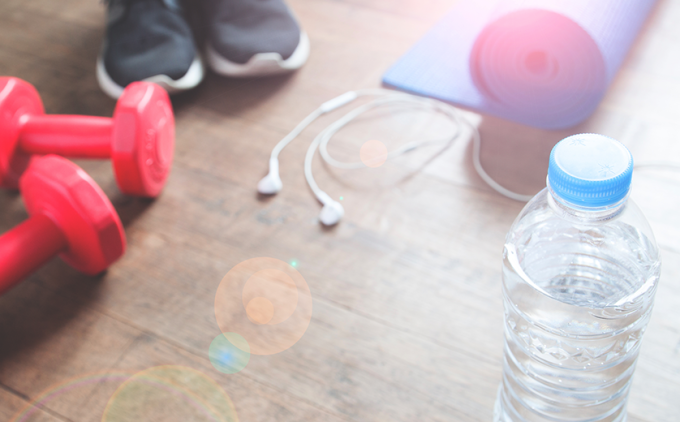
<point x="583" y="214"/>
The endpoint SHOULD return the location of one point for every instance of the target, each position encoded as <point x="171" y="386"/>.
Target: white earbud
<point x="271" y="184"/>
<point x="332" y="211"/>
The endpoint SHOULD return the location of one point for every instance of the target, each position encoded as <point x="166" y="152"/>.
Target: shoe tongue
<point x="173" y="4"/>
<point x="117" y="8"/>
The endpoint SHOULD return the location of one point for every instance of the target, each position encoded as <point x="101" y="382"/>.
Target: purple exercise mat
<point x="544" y="63"/>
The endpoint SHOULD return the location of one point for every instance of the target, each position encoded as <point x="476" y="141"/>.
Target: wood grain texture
<point x="407" y="317"/>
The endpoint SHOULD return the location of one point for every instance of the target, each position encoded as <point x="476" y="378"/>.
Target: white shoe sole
<point x="261" y="64"/>
<point x="190" y="80"/>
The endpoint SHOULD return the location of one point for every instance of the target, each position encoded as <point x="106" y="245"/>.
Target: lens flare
<point x="373" y="153"/>
<point x="260" y="310"/>
<point x="165" y="393"/>
<point x="267" y="302"/>
<point x="170" y="393"/>
<point x="229" y="353"/>
<point x="68" y="390"/>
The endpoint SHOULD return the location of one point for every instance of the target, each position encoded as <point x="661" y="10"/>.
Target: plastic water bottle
<point x="580" y="269"/>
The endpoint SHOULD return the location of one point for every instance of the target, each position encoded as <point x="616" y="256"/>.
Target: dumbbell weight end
<point x="70" y="216"/>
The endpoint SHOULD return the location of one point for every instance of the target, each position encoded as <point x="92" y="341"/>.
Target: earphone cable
<point x="332" y="212"/>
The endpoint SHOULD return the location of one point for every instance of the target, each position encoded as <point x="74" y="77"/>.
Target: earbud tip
<point x="331" y="213"/>
<point x="270" y="184"/>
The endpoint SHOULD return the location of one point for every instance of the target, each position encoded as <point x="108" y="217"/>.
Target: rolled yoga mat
<point x="543" y="63"/>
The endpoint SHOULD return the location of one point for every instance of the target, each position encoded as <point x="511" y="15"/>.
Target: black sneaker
<point x="253" y="37"/>
<point x="148" y="40"/>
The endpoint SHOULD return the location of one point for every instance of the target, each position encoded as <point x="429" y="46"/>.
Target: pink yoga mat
<point x="544" y="63"/>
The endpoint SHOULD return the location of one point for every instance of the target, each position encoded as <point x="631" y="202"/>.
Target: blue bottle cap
<point x="590" y="170"/>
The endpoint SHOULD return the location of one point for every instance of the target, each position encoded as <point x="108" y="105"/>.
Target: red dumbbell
<point x="140" y="139"/>
<point x="69" y="215"/>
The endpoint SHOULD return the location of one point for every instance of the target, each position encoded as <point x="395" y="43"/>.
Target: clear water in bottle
<point x="578" y="282"/>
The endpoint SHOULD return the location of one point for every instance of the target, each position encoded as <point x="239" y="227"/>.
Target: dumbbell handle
<point x="68" y="136"/>
<point x="28" y="246"/>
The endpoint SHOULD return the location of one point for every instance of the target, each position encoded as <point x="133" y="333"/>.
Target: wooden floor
<point x="407" y="310"/>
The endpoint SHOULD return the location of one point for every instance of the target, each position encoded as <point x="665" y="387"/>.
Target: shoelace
<point x="171" y="4"/>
